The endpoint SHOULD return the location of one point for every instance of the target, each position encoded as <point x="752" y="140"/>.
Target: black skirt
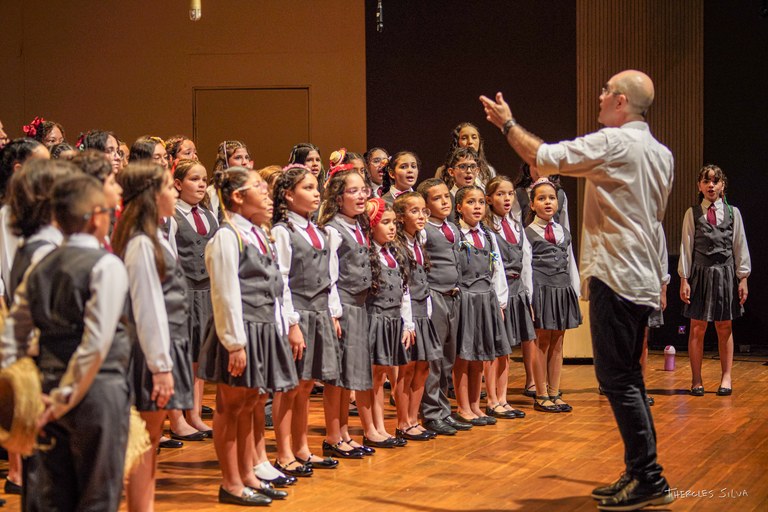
<point x="141" y="378"/>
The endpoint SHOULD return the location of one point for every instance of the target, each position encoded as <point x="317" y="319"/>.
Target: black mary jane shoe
<point x="333" y="450"/>
<point x="721" y="391"/>
<point x="538" y="406"/>
<point x="517" y="412"/>
<point x="280" y="481"/>
<point x="299" y="469"/>
<point x="529" y="391"/>
<point x="405" y="434"/>
<point x="399" y="442"/>
<point x="196" y="436"/>
<point x="270" y="492"/>
<point x="367" y="450"/>
<point x="502" y="414"/>
<point x="476" y="422"/>
<point x="564" y="407"/>
<point x="387" y="443"/>
<point x="326" y="463"/>
<point x="170" y="443"/>
<point x="248" y="498"/>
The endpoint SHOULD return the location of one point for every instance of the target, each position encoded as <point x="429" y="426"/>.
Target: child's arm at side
<point x="741" y="255"/>
<point x="686" y="256"/>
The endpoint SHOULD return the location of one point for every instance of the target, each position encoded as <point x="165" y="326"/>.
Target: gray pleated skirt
<point x="321" y="359"/>
<point x="141" y="378"/>
<point x="385" y="330"/>
<point x="427" y="345"/>
<point x="555" y="309"/>
<point x="482" y="336"/>
<point x="355" y="371"/>
<point x="200" y="313"/>
<point x="517" y="319"/>
<point x="269" y="363"/>
<point x="714" y="293"/>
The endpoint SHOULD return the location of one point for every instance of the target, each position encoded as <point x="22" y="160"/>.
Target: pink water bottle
<point x="669" y="358"/>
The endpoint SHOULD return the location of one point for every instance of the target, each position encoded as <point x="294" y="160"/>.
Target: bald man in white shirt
<point x="628" y="179"/>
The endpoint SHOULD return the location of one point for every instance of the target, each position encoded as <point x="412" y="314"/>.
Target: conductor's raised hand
<point x="498" y="111"/>
<point x="236" y="364"/>
<point x="162" y="388"/>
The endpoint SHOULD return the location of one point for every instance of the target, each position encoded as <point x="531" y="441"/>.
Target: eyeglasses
<point x="98" y="210"/>
<point x="379" y="160"/>
<point x="355" y="191"/>
<point x="416" y="212"/>
<point x="605" y="91"/>
<point x="465" y="167"/>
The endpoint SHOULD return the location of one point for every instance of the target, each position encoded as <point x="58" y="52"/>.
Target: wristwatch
<point x="508" y="126"/>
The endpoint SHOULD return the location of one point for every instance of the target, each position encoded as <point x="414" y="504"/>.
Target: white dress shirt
<point x="526" y="274"/>
<point x="538" y="225"/>
<point x="222" y="260"/>
<point x="499" y="278"/>
<point x="740" y="250"/>
<point x="284" y="256"/>
<point x="109" y="288"/>
<point x="8" y="245"/>
<point x="405" y="305"/>
<point x="629" y="175"/>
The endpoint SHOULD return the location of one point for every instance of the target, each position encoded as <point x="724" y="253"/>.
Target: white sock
<point x="267" y="471"/>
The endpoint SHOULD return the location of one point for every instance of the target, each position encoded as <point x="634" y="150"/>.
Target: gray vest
<point x="58" y="289"/>
<point x="443" y="275"/>
<point x="260" y="282"/>
<point x="418" y="286"/>
<point x="712" y="245"/>
<point x="354" y="266"/>
<point x="390" y="294"/>
<point x="512" y="256"/>
<point x="191" y="247"/>
<point x="475" y="266"/>
<point x="550" y="261"/>
<point x="21" y="262"/>
<point x="310" y="277"/>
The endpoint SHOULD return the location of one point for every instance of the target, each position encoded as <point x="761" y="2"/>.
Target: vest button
<point x="318" y="280"/>
<point x="365" y="279"/>
<point x="477" y="275"/>
<point x="391" y="288"/>
<point x="391" y="300"/>
<point x="325" y="252"/>
<point x="202" y="271"/>
<point x="314" y="256"/>
<point x="197" y="242"/>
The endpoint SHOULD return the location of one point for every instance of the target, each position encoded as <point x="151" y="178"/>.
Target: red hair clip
<point x="375" y="207"/>
<point x="31" y="129"/>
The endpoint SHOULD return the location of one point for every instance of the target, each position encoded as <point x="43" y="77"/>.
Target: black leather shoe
<point x="280" y="481"/>
<point x="298" y="470"/>
<point x="270" y="492"/>
<point x="387" y="443"/>
<point x="399" y="442"/>
<point x="197" y="436"/>
<point x="458" y="424"/>
<point x="206" y="412"/>
<point x="170" y="443"/>
<point x="489" y="420"/>
<point x="564" y="407"/>
<point x="538" y="406"/>
<point x="440" y="427"/>
<point x="326" y="463"/>
<point x="431" y="433"/>
<point x="248" y="498"/>
<point x="697" y="391"/>
<point x="367" y="450"/>
<point x="517" y="412"/>
<point x="600" y="493"/>
<point x="636" y="494"/>
<point x="721" y="391"/>
<point x="499" y="412"/>
<point x="12" y="487"/>
<point x="404" y="434"/>
<point x="530" y="393"/>
<point x="331" y="450"/>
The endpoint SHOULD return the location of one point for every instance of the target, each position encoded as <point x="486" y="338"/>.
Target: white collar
<point x="82" y="240"/>
<point x="297" y="219"/>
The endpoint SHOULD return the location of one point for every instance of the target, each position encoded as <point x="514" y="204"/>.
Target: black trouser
<point x="83" y="471"/>
<point x="617" y="327"/>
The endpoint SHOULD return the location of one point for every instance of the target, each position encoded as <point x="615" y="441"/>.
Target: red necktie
<point x="448" y="232"/>
<point x="417" y="254"/>
<point x="359" y="235"/>
<point x="313" y="237"/>
<point x="549" y="234"/>
<point x="261" y="243"/>
<point x="508" y="233"/>
<point x="476" y="238"/>
<point x="199" y="224"/>
<point x="711" y="215"/>
<point x="391" y="263"/>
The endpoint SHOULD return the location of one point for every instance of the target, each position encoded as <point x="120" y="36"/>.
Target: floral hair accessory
<point x="375" y="207"/>
<point x="542" y="181"/>
<point x="31" y="129"/>
<point x="338" y="168"/>
<point x="296" y="166"/>
<point x="337" y="157"/>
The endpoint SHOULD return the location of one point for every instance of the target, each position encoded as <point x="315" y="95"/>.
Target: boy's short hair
<point x="427" y="184"/>
<point x="74" y="200"/>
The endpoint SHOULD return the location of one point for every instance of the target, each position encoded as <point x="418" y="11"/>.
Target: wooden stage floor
<point x="714" y="451"/>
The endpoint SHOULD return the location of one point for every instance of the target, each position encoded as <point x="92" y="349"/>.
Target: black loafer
<point x="12" y="487"/>
<point x="270" y="492"/>
<point x="197" y="436"/>
<point x="440" y="427"/>
<point x="331" y="450"/>
<point x="326" y="463"/>
<point x="636" y="494"/>
<point x="170" y="443"/>
<point x="299" y="470"/>
<point x="248" y="498"/>
<point x="721" y="391"/>
<point x="697" y="391"/>
<point x="387" y="443"/>
<point x="457" y="423"/>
